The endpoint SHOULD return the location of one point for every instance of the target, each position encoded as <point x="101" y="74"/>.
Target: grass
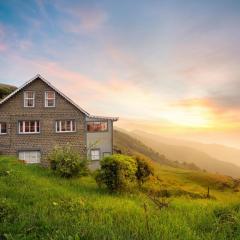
<point x="35" y="204"/>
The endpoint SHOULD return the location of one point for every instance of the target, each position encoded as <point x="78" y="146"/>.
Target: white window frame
<point x="46" y="99"/>
<point x="22" y="156"/>
<point x="93" y="157"/>
<point x="72" y="126"/>
<point x="25" y="99"/>
<point x="24" y="127"/>
<point x="1" y="128"/>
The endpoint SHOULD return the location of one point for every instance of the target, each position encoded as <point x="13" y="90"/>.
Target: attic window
<point x="3" y="128"/>
<point x="29" y="99"/>
<point x="50" y="99"/>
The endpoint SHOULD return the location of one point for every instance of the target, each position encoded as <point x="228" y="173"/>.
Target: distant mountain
<point x="190" y="152"/>
<point x="125" y="144"/>
<point x="6" y="90"/>
<point x="221" y="152"/>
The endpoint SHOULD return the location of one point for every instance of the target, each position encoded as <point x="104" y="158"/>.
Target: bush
<point x="117" y="172"/>
<point x="144" y="169"/>
<point x="67" y="162"/>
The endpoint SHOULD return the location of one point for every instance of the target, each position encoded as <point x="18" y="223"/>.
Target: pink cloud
<point x="3" y="47"/>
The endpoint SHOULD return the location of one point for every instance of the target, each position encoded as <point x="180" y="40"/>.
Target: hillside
<point x="35" y="204"/>
<point x="187" y="154"/>
<point x="5" y="90"/>
<point x="221" y="152"/>
<point x="125" y="144"/>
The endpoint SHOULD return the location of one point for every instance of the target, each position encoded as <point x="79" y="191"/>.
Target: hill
<point x="35" y="204"/>
<point x="6" y="90"/>
<point x="125" y="144"/>
<point x="174" y="150"/>
<point x="221" y="152"/>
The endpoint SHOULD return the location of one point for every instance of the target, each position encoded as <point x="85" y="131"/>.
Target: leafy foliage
<point x="144" y="169"/>
<point x="117" y="172"/>
<point x="67" y="162"/>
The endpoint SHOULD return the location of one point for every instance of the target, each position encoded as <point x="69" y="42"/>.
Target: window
<point x="50" y="99"/>
<point x="29" y="127"/>
<point x="30" y="156"/>
<point x="97" y="126"/>
<point x="3" y="128"/>
<point x="65" y="126"/>
<point x="29" y="99"/>
<point x="105" y="154"/>
<point x="95" y="154"/>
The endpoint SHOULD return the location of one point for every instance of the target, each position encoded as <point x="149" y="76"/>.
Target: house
<point x="36" y="117"/>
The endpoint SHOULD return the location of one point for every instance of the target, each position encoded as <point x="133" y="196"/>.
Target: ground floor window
<point x="95" y="154"/>
<point x="29" y="127"/>
<point x="3" y="128"/>
<point x="30" y="156"/>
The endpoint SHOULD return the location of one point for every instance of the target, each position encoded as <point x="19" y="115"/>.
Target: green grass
<point x="35" y="204"/>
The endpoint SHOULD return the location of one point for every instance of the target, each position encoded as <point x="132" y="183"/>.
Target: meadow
<point x="36" y="204"/>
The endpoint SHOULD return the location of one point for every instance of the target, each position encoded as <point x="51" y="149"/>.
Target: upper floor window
<point x="28" y="127"/>
<point x="3" y="128"/>
<point x="50" y="99"/>
<point x="29" y="99"/>
<point x="65" y="126"/>
<point x="97" y="126"/>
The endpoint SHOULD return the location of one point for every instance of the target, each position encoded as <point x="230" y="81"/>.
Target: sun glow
<point x="195" y="117"/>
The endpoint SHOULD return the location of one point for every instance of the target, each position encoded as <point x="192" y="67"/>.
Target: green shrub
<point x="67" y="162"/>
<point x="117" y="172"/>
<point x="144" y="169"/>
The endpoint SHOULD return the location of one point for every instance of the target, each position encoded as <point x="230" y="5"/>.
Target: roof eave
<point x="114" y="119"/>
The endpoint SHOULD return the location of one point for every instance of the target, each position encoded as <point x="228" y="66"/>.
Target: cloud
<point x="3" y="47"/>
<point x="81" y="19"/>
<point x="227" y="96"/>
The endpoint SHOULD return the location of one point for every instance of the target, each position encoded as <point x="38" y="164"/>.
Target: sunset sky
<point x="167" y="67"/>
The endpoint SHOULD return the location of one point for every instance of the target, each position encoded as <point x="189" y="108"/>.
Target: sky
<point x="162" y="66"/>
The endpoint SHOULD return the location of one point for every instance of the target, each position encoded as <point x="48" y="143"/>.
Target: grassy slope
<point x="34" y="204"/>
<point x="5" y="90"/>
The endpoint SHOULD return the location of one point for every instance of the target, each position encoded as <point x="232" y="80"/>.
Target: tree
<point x="117" y="172"/>
<point x="144" y="169"/>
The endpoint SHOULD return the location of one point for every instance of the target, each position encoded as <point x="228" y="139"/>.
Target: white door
<point x="30" y="156"/>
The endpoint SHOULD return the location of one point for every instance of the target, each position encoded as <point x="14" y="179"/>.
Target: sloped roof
<point x="59" y="92"/>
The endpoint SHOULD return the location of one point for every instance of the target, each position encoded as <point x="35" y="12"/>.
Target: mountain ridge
<point x="189" y="155"/>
